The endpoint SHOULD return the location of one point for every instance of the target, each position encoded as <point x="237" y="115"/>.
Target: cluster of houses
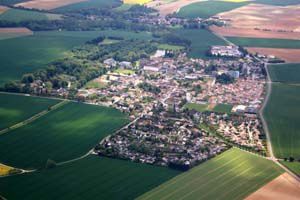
<point x="162" y="139"/>
<point x="243" y="130"/>
<point x="226" y="51"/>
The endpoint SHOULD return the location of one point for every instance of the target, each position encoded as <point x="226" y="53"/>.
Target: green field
<point x="63" y="134"/>
<point x="10" y="2"/>
<point x="18" y="15"/>
<point x="201" y="41"/>
<point x="220" y="108"/>
<point x="124" y="71"/>
<point x="89" y="4"/>
<point x="126" y="34"/>
<point x="286" y="73"/>
<point x="170" y="47"/>
<point x="267" y="43"/>
<point x="91" y="178"/>
<point x="282" y="116"/>
<point x="208" y="9"/>
<point x="293" y="166"/>
<point x="16" y="108"/>
<point x="231" y="175"/>
<point x="41" y="48"/>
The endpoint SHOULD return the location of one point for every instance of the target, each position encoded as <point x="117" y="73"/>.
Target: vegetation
<point x="16" y="108"/>
<point x="43" y="47"/>
<point x="18" y="15"/>
<point x="170" y="47"/>
<point x="124" y="71"/>
<point x="201" y="41"/>
<point x="89" y="4"/>
<point x="101" y="178"/>
<point x="231" y="175"/>
<point x="149" y="88"/>
<point x="286" y="73"/>
<point x="224" y="79"/>
<point x="10" y="2"/>
<point x="208" y="8"/>
<point x="293" y="166"/>
<point x="278" y="2"/>
<point x="63" y="134"/>
<point x="282" y="116"/>
<point x="4" y="170"/>
<point x="219" y="108"/>
<point x="267" y="43"/>
<point x="223" y="108"/>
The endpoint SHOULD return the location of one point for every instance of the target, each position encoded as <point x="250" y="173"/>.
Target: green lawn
<point x="16" y="108"/>
<point x="232" y="175"/>
<point x="282" y="116"/>
<point x="89" y="4"/>
<point x="208" y="9"/>
<point x="201" y="41"/>
<point x="63" y="134"/>
<point x="89" y="179"/>
<point x="287" y="73"/>
<point x="293" y="166"/>
<point x="267" y="43"/>
<point x="125" y="71"/>
<point x="41" y="48"/>
<point x="220" y="108"/>
<point x="18" y="15"/>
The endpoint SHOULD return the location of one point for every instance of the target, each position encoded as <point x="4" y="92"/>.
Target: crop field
<point x="286" y="73"/>
<point x="282" y="117"/>
<point x="63" y="134"/>
<point x="293" y="166"/>
<point x="170" y="47"/>
<point x="10" y="2"/>
<point x="232" y="175"/>
<point x="208" y="9"/>
<point x="264" y="42"/>
<point x="18" y="15"/>
<point x="89" y="4"/>
<point x="279" y="2"/>
<point x="43" y="47"/>
<point x="126" y="34"/>
<point x="7" y="33"/>
<point x="136" y="1"/>
<point x="201" y="41"/>
<point x="4" y="170"/>
<point x="90" y="178"/>
<point x="16" y="108"/>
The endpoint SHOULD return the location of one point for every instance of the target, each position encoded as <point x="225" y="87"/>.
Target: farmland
<point x="284" y="123"/>
<point x="7" y="33"/>
<point x="208" y="9"/>
<point x="136" y="1"/>
<point x="232" y="175"/>
<point x="46" y="4"/>
<point x="16" y="108"/>
<point x="170" y="47"/>
<point x="18" y="15"/>
<point x="89" y="178"/>
<point x="288" y="55"/>
<point x="44" y="48"/>
<point x="287" y="73"/>
<point x="278" y="2"/>
<point x="201" y="41"/>
<point x="293" y="166"/>
<point x="4" y="170"/>
<point x="63" y="134"/>
<point x="220" y="108"/>
<point x="264" y="42"/>
<point x="89" y="4"/>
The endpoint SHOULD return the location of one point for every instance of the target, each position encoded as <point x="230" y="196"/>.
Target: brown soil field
<point x="3" y="9"/>
<point x="172" y="7"/>
<point x="16" y="30"/>
<point x="47" y="4"/>
<point x="289" y="55"/>
<point x="257" y="20"/>
<point x="281" y="188"/>
<point x="243" y="32"/>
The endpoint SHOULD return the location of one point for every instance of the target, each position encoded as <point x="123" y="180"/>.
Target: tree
<point x="27" y="78"/>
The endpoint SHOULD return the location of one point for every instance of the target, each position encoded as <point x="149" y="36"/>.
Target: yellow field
<point x="136" y="1"/>
<point x="4" y="170"/>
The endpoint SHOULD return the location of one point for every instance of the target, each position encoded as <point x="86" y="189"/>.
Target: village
<point x="154" y="93"/>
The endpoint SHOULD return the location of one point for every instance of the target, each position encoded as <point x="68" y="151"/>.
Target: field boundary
<point x="33" y="118"/>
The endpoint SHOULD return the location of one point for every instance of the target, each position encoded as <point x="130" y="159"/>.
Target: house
<point x="110" y="62"/>
<point x="125" y="65"/>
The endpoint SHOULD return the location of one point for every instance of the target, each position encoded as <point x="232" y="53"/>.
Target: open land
<point x="85" y="4"/>
<point x="201" y="41"/>
<point x="208" y="9"/>
<point x="232" y="175"/>
<point x="293" y="166"/>
<point x="219" y="108"/>
<point x="6" y="33"/>
<point x="44" y="48"/>
<point x="136" y="1"/>
<point x="284" y="123"/>
<point x="63" y="134"/>
<point x="47" y="4"/>
<point x="278" y="2"/>
<point x="285" y="73"/>
<point x="89" y="178"/>
<point x="166" y="7"/>
<point x="17" y="108"/>
<point x="18" y="15"/>
<point x="288" y="55"/>
<point x="283" y="187"/>
<point x="4" y="170"/>
<point x="262" y="17"/>
<point x="3" y="9"/>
